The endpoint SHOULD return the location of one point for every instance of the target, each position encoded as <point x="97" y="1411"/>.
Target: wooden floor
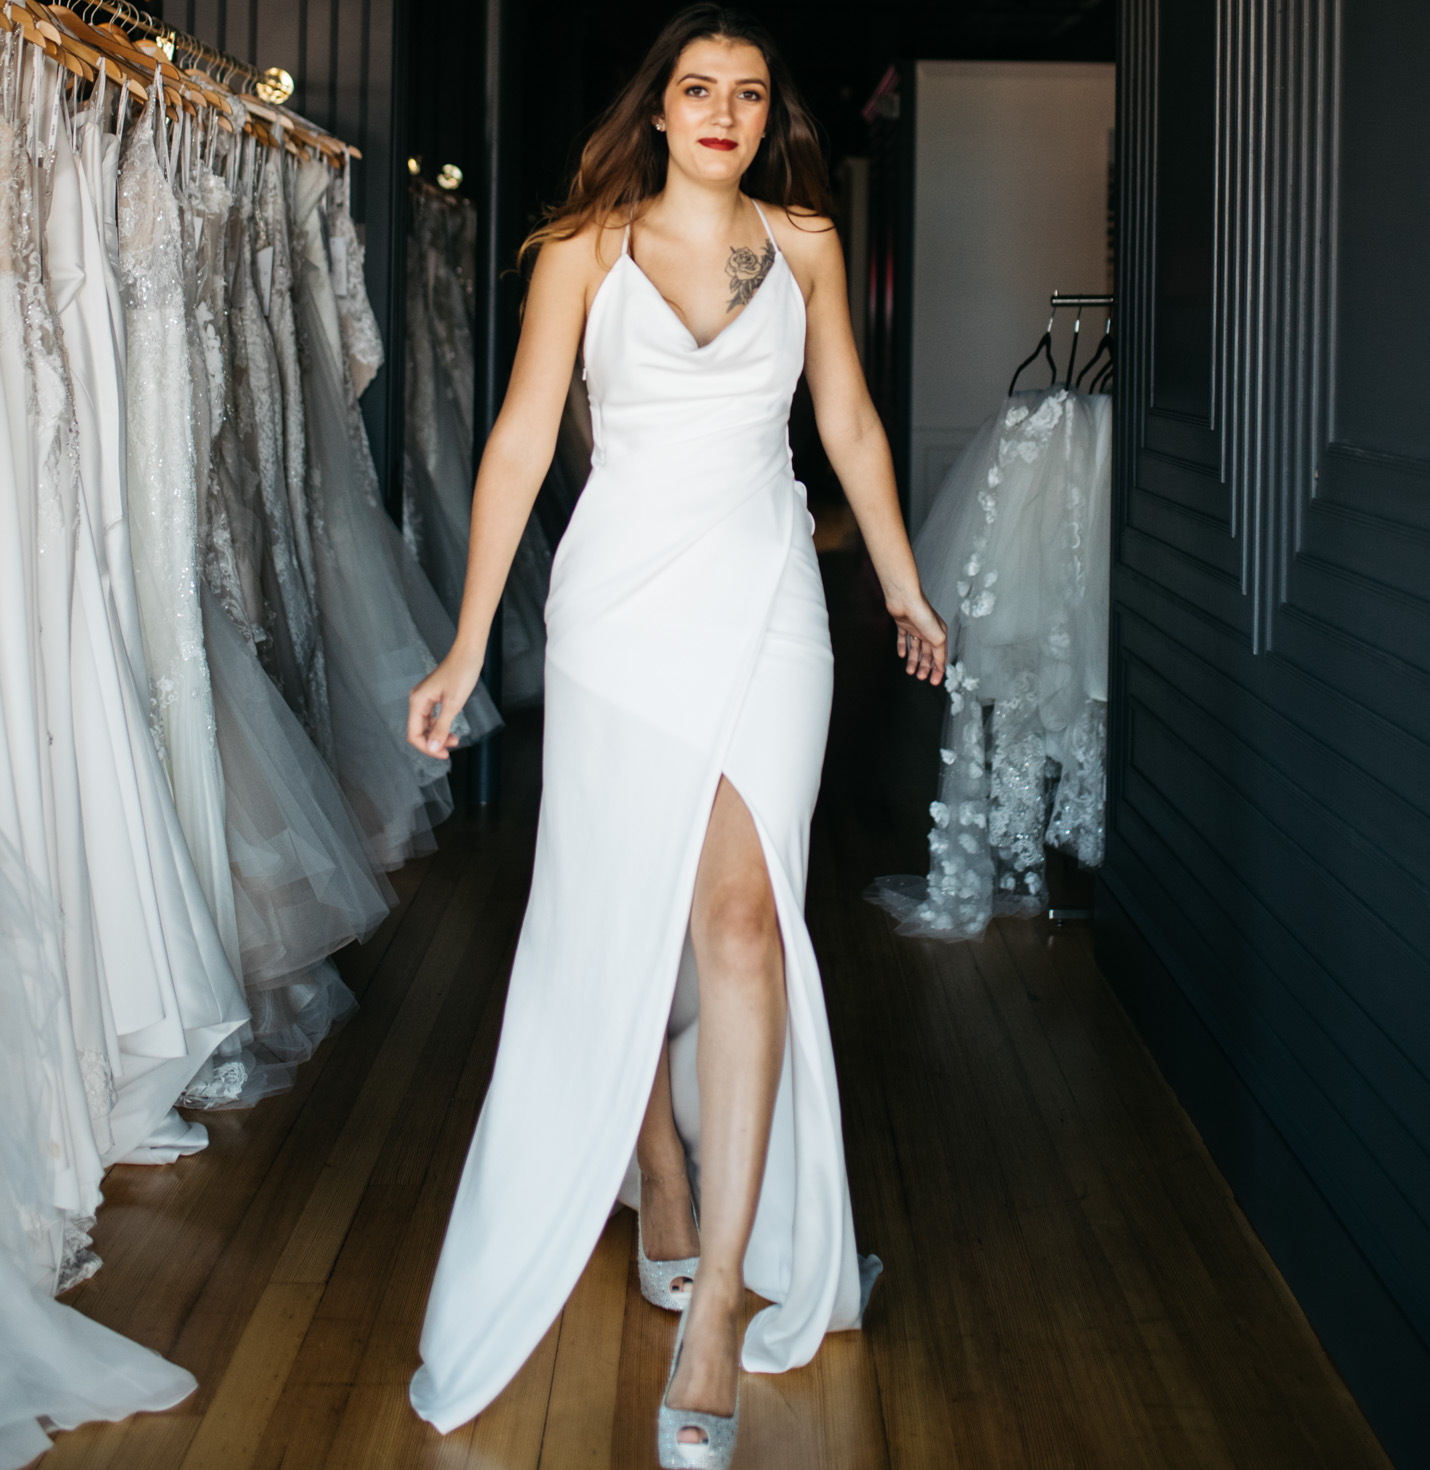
<point x="1067" y="1279"/>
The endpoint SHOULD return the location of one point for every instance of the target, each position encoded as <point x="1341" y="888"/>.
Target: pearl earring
<point x="660" y="127"/>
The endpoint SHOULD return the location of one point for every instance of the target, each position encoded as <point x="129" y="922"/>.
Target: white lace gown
<point x="170" y="997"/>
<point x="72" y="1168"/>
<point x="383" y="624"/>
<point x="1016" y="554"/>
<point x="688" y="639"/>
<point x="163" y="511"/>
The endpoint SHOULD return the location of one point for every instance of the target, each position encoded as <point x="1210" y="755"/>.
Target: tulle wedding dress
<point x="688" y="639"/>
<point x="1015" y="553"/>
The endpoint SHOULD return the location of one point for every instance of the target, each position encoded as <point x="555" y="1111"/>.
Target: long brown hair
<point x="625" y="159"/>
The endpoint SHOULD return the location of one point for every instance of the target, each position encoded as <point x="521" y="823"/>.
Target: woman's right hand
<point x="434" y="703"/>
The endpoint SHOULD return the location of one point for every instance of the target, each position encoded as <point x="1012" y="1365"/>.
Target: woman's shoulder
<point x="809" y="242"/>
<point x="590" y="250"/>
<point x="804" y="235"/>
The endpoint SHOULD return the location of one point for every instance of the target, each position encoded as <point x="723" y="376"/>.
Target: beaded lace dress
<point x="1015" y="554"/>
<point x="382" y="621"/>
<point x="163" y="510"/>
<point x="302" y="884"/>
<point x="361" y="340"/>
<point x="269" y="404"/>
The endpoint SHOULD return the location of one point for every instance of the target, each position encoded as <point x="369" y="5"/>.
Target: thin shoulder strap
<point x="769" y="233"/>
<point x="626" y="240"/>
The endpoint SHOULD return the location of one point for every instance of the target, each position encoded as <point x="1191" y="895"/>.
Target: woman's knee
<point x="739" y="932"/>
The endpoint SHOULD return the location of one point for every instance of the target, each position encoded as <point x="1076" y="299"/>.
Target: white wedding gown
<point x="688" y="639"/>
<point x="1016" y="554"/>
<point x="55" y="1364"/>
<point x="170" y="996"/>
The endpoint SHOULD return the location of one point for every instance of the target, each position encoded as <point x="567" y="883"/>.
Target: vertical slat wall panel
<point x="347" y="59"/>
<point x="1265" y="905"/>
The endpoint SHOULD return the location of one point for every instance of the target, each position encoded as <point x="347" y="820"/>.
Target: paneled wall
<point x="1265" y="907"/>
<point x="347" y="59"/>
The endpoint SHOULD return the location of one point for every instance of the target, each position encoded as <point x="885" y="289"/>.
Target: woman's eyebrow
<point x="692" y="76"/>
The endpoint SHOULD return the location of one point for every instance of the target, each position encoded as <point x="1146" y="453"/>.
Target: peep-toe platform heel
<point x="718" y="1448"/>
<point x="659" y="1278"/>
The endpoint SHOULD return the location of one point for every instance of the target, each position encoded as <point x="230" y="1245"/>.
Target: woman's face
<point x="716" y="105"/>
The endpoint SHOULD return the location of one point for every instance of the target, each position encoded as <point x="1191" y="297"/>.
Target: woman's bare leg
<point x="667" y="1225"/>
<point x="740" y="958"/>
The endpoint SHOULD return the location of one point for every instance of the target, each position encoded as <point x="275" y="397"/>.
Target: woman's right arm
<point x="514" y="463"/>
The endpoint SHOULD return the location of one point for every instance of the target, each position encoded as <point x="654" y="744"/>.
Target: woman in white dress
<point x="688" y="681"/>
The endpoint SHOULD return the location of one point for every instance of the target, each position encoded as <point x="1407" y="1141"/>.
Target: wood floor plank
<point x="233" y="1425"/>
<point x="580" y="1418"/>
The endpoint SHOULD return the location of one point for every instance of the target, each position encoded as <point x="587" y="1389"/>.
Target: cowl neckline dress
<point x="687" y="638"/>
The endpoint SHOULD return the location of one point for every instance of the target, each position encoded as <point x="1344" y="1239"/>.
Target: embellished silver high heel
<point x="719" y="1430"/>
<point x="658" y="1278"/>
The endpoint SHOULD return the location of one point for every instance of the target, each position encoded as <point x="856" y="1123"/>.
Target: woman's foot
<point x="668" y="1230"/>
<point x="708" y="1373"/>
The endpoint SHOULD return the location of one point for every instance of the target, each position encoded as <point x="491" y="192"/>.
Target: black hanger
<point x="1072" y="353"/>
<point x="1103" y="381"/>
<point x="1045" y="349"/>
<point x="1104" y="346"/>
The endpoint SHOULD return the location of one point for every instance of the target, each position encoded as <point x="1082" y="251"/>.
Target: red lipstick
<point x="724" y="144"/>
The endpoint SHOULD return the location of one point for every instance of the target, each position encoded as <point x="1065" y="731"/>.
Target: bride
<point x="664" y="1000"/>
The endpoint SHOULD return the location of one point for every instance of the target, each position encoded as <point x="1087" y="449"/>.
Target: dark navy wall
<point x="1265" y="907"/>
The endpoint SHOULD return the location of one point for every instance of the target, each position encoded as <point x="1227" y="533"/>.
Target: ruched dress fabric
<point x="687" y="639"/>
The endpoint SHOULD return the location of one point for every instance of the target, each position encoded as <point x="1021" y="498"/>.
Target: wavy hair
<point x="624" y="161"/>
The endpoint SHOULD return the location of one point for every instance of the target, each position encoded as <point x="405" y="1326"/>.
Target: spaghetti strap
<point x="769" y="233"/>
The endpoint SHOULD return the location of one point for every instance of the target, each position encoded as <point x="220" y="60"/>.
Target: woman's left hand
<point x="923" y="638"/>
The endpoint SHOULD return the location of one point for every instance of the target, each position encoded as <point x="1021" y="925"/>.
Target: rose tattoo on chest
<point x="746" y="270"/>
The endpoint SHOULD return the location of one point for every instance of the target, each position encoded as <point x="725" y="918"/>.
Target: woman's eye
<point x="695" y="90"/>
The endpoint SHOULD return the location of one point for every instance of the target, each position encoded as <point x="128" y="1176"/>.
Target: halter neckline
<point x="769" y="233"/>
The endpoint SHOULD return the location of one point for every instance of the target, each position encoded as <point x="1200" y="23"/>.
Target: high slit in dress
<point x="687" y="639"/>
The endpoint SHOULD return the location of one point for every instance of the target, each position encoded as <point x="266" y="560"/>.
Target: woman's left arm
<point x="858" y="450"/>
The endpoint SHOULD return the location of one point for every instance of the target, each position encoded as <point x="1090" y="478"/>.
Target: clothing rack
<point x="68" y="33"/>
<point x="1057" y="301"/>
<point x="154" y="29"/>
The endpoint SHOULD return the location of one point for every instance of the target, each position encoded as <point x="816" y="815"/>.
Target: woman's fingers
<point x="428" y="722"/>
<point x="419" y="715"/>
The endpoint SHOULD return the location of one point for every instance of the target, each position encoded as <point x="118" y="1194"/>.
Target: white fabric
<point x="687" y="638"/>
<point x="1016" y="554"/>
<point x="54" y="1363"/>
